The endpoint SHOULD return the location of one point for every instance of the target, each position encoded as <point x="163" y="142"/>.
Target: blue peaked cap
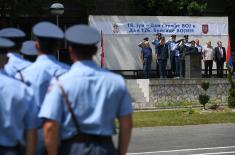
<point x="6" y="43"/>
<point x="28" y="48"/>
<point x="48" y="30"/>
<point x="82" y="34"/>
<point x="11" y="33"/>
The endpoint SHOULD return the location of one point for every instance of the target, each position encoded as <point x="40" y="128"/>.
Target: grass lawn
<point x="181" y="117"/>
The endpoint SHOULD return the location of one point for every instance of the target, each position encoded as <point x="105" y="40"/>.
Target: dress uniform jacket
<point x="97" y="98"/>
<point x="17" y="112"/>
<point x="40" y="73"/>
<point x="15" y="64"/>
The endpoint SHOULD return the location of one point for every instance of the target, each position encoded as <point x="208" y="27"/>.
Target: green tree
<point x="10" y="10"/>
<point x="168" y="7"/>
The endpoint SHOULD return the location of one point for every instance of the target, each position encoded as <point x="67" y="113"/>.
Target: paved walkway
<point x="184" y="140"/>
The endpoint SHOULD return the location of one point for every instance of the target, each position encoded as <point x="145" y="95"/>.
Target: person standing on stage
<point x="146" y="58"/>
<point x="162" y="56"/>
<point x="208" y="57"/>
<point x="156" y="42"/>
<point x="220" y="57"/>
<point x="174" y="56"/>
<point x="198" y="46"/>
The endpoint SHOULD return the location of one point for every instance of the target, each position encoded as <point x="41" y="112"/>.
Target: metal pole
<point x="57" y="20"/>
<point x="57" y="23"/>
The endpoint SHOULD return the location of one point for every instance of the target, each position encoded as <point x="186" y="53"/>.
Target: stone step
<point x="135" y="91"/>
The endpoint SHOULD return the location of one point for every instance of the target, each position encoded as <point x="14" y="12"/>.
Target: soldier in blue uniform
<point x="184" y="46"/>
<point x="141" y="44"/>
<point x="39" y="74"/>
<point x="172" y="44"/>
<point x="96" y="96"/>
<point x="146" y="58"/>
<point x="16" y="63"/>
<point x="29" y="50"/>
<point x="162" y="56"/>
<point x="156" y="42"/>
<point x="17" y="114"/>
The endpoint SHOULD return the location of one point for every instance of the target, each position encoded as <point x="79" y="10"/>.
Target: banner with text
<point x="164" y="28"/>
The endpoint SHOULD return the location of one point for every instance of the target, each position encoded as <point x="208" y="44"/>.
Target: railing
<point x="138" y="74"/>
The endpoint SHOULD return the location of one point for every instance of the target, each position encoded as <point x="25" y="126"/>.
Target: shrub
<point x="231" y="98"/>
<point x="205" y="85"/>
<point x="231" y="101"/>
<point x="232" y="92"/>
<point x="203" y="99"/>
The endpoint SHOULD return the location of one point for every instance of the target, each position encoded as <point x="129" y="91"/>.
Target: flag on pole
<point x="102" y="50"/>
<point x="229" y="55"/>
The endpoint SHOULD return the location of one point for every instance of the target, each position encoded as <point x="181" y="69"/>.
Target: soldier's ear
<point x="72" y="54"/>
<point x="37" y="45"/>
<point x="70" y="48"/>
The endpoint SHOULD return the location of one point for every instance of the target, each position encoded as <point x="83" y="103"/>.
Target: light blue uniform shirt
<point x="17" y="112"/>
<point x="15" y="63"/>
<point x="97" y="97"/>
<point x="173" y="46"/>
<point x="156" y="42"/>
<point x="40" y="73"/>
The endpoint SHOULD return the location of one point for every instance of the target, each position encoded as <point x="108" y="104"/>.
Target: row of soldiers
<point x="176" y="51"/>
<point x="51" y="108"/>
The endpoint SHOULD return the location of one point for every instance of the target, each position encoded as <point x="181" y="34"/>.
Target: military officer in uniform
<point x="184" y="47"/>
<point x="156" y="42"/>
<point x="17" y="113"/>
<point x="174" y="56"/>
<point x="96" y="97"/>
<point x="142" y="43"/>
<point x="16" y="63"/>
<point x="29" y="50"/>
<point x="146" y="59"/>
<point x="162" y="55"/>
<point x="39" y="74"/>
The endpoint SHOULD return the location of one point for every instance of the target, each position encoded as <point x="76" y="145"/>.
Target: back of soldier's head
<point x="83" y="39"/>
<point x="49" y="37"/>
<point x="48" y="46"/>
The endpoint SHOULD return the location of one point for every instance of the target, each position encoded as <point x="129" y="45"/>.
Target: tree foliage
<point x="167" y="7"/>
<point x="13" y="9"/>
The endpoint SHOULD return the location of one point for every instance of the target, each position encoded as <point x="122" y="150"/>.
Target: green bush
<point x="205" y="85"/>
<point x="231" y="101"/>
<point x="232" y="92"/>
<point x="231" y="98"/>
<point x="203" y="99"/>
<point x="232" y="84"/>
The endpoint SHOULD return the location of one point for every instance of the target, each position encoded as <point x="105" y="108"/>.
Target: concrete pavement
<point x="182" y="140"/>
